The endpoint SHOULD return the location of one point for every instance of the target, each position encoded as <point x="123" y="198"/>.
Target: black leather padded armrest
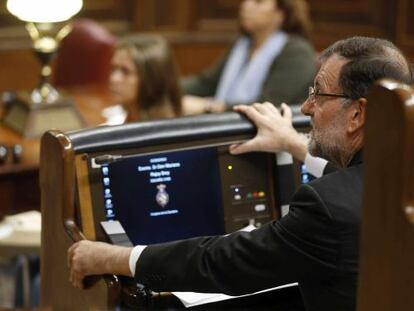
<point x="142" y="134"/>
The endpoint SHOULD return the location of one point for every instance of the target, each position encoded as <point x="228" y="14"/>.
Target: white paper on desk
<point x="5" y="230"/>
<point x="190" y="299"/>
<point x="23" y="222"/>
<point x="29" y="221"/>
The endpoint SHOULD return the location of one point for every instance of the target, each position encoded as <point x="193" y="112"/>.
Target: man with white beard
<point x="317" y="242"/>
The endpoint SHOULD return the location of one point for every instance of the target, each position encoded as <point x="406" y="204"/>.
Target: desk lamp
<point x="44" y="108"/>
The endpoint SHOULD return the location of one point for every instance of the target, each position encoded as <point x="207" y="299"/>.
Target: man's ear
<point x="356" y="115"/>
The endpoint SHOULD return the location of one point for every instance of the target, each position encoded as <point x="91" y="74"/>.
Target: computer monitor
<point x="173" y="179"/>
<point x="178" y="193"/>
<point x="166" y="196"/>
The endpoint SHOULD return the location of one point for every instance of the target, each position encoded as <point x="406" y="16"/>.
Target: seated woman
<point x="144" y="78"/>
<point x="271" y="61"/>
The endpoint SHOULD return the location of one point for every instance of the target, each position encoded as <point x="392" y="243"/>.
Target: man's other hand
<point x="96" y="258"/>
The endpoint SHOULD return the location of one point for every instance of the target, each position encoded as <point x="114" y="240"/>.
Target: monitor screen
<point x="168" y="196"/>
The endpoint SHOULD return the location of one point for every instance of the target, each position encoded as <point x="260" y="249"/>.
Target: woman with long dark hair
<point x="144" y="78"/>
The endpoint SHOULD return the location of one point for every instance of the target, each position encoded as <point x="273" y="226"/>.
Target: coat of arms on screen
<point x="162" y="196"/>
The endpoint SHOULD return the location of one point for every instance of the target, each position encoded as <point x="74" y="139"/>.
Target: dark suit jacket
<point x="329" y="168"/>
<point x="289" y="78"/>
<point x="316" y="244"/>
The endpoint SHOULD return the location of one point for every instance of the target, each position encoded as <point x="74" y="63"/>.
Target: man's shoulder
<point x="348" y="177"/>
<point x="341" y="192"/>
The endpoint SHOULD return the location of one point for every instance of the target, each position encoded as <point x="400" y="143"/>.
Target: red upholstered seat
<point x="84" y="56"/>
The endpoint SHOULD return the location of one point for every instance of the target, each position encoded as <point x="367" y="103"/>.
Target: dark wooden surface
<point x="19" y="186"/>
<point x="386" y="280"/>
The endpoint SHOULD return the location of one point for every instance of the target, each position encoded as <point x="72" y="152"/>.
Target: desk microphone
<point x="17" y="151"/>
<point x="111" y="158"/>
<point x="3" y="154"/>
<point x="108" y="158"/>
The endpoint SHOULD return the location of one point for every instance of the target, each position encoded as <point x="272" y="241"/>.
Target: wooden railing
<point x="386" y="281"/>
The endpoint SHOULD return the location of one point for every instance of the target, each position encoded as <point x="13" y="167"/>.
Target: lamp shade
<point x="44" y="11"/>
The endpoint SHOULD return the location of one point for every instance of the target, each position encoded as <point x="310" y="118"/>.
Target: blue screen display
<point x="166" y="196"/>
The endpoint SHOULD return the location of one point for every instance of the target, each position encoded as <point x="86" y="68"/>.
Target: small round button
<point x="3" y="154"/>
<point x="259" y="207"/>
<point x="17" y="151"/>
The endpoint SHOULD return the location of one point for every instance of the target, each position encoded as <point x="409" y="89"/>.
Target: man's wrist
<point x="117" y="261"/>
<point x="297" y="146"/>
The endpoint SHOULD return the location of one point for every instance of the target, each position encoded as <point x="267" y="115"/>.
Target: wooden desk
<point x="19" y="185"/>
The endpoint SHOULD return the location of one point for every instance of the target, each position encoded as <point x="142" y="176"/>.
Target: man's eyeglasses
<point x="313" y="94"/>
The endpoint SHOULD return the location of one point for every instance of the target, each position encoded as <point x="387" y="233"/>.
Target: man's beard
<point x="329" y="142"/>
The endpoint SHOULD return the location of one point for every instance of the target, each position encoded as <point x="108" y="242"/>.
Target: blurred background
<point x="199" y="32"/>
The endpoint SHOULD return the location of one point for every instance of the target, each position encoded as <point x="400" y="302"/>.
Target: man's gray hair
<point x="370" y="59"/>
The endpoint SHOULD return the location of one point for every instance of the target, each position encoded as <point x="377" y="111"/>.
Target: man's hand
<point x="275" y="132"/>
<point x="96" y="258"/>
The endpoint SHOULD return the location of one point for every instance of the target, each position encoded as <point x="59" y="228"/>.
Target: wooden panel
<point x="162" y="15"/>
<point x="114" y="14"/>
<point x="337" y="19"/>
<point x="207" y="53"/>
<point x="19" y="192"/>
<point x="56" y="291"/>
<point x="19" y="70"/>
<point x="218" y="9"/>
<point x="405" y="27"/>
<point x="185" y="15"/>
<point x="85" y="201"/>
<point x="386" y="276"/>
<point x="217" y="15"/>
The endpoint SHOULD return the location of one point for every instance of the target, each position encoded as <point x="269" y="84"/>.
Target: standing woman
<point x="144" y="78"/>
<point x="271" y="61"/>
